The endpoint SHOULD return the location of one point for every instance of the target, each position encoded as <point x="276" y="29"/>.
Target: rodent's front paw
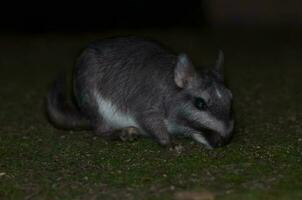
<point x="129" y="134"/>
<point x="164" y="142"/>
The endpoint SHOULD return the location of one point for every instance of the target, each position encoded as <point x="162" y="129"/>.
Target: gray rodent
<point x="129" y="86"/>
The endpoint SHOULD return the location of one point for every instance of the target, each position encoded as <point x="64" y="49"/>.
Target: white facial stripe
<point x="218" y="93"/>
<point x="112" y="115"/>
<point x="199" y="138"/>
<point x="213" y="123"/>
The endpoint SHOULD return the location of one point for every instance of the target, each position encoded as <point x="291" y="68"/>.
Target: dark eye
<point x="200" y="103"/>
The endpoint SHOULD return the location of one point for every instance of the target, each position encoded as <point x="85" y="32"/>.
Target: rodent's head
<point x="202" y="108"/>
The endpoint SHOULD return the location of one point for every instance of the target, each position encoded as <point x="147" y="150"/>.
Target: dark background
<point x="100" y="15"/>
<point x="47" y="16"/>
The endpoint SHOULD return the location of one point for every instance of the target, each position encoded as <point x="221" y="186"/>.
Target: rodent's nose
<point x="220" y="141"/>
<point x="215" y="139"/>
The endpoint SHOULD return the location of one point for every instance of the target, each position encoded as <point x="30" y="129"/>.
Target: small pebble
<point x="179" y="148"/>
<point x="2" y="174"/>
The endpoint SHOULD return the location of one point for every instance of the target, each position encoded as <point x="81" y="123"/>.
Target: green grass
<point x="263" y="161"/>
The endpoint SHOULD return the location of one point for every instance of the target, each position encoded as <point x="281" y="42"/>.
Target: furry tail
<point x="61" y="113"/>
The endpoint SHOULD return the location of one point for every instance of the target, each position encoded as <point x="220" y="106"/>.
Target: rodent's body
<point x="121" y="80"/>
<point x="129" y="82"/>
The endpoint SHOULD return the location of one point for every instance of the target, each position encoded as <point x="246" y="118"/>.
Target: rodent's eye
<point x="200" y="103"/>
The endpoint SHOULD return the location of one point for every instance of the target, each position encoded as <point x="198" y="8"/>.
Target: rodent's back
<point x="132" y="72"/>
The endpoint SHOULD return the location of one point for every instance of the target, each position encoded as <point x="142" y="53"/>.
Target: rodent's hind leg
<point x="130" y="133"/>
<point x="125" y="134"/>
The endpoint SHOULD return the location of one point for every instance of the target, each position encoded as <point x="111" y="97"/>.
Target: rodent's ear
<point x="184" y="71"/>
<point x="219" y="64"/>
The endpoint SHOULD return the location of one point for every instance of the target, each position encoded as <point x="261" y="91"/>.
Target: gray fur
<point x="132" y="82"/>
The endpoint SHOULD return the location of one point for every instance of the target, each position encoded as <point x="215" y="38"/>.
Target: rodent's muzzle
<point x="215" y="139"/>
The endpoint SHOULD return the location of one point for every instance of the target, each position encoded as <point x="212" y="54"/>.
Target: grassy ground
<point x="262" y="162"/>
